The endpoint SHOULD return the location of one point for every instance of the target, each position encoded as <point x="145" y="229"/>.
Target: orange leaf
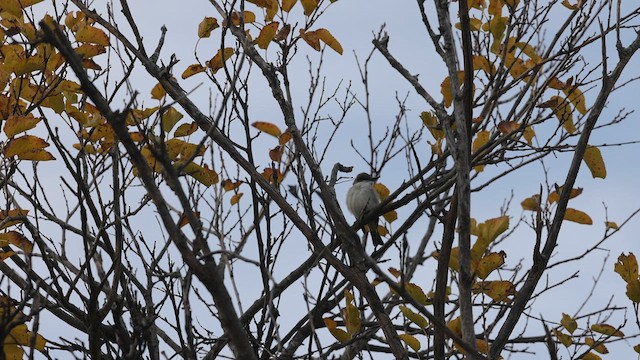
<point x="248" y="17"/>
<point x="507" y="127"/>
<point x="285" y="137"/>
<point x="12" y="217"/>
<point x="577" y="216"/>
<point x="207" y="25"/>
<point x="595" y="163"/>
<point x="275" y="154"/>
<point x="273" y="176"/>
<point x="555" y="196"/>
<point x="93" y="35"/>
<point x="192" y="70"/>
<point x="16" y="124"/>
<point x="267" y="34"/>
<point x="217" y="62"/>
<point x="229" y="185"/>
<point x="311" y="38"/>
<point x="236" y="198"/>
<point x="309" y="6"/>
<point x="287" y="5"/>
<point x="327" y="38"/>
<point x="17" y="239"/>
<point x="267" y="127"/>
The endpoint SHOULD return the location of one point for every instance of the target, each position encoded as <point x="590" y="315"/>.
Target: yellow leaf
<point x="267" y="34"/>
<point x="555" y="196"/>
<point x="633" y="290"/>
<point x="351" y="315"/>
<point x="185" y="129"/>
<point x="482" y="63"/>
<point x="93" y="35"/>
<point x="382" y="190"/>
<point x="309" y="6"/>
<point x="414" y="317"/>
<point x="488" y="231"/>
<point x="562" y="111"/>
<point x="611" y="225"/>
<point x="217" y="62"/>
<point x="158" y="92"/>
<point x="563" y="338"/>
<point x="24" y="144"/>
<point x="89" y="50"/>
<point x="207" y="25"/>
<point x="411" y="341"/>
<point x="327" y="38"/>
<point x="595" y="162"/>
<point x="287" y="5"/>
<point x="482" y="137"/>
<point x="340" y="335"/>
<point x="416" y="293"/>
<point x="192" y="70"/>
<point x="576" y="97"/>
<point x="498" y="290"/>
<point x="390" y="216"/>
<point x="569" y="323"/>
<point x="529" y="50"/>
<point x="606" y="329"/>
<point x="248" y="17"/>
<point x="474" y="24"/>
<point x="272" y="10"/>
<point x="267" y="127"/>
<point x="203" y="174"/>
<point x="531" y="203"/>
<point x="261" y="3"/>
<point x="311" y="38"/>
<point x="16" y="124"/>
<point x="170" y="118"/>
<point x="578" y="216"/>
<point x="489" y="263"/>
<point x="636" y="348"/>
<point x="599" y="347"/>
<point x="445" y="88"/>
<point x="455" y="325"/>
<point x="236" y="198"/>
<point x="432" y="124"/>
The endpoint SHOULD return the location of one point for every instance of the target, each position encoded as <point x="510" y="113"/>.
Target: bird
<point x="362" y="198"/>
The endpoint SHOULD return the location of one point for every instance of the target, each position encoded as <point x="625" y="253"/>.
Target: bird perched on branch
<point x="362" y="198"/>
